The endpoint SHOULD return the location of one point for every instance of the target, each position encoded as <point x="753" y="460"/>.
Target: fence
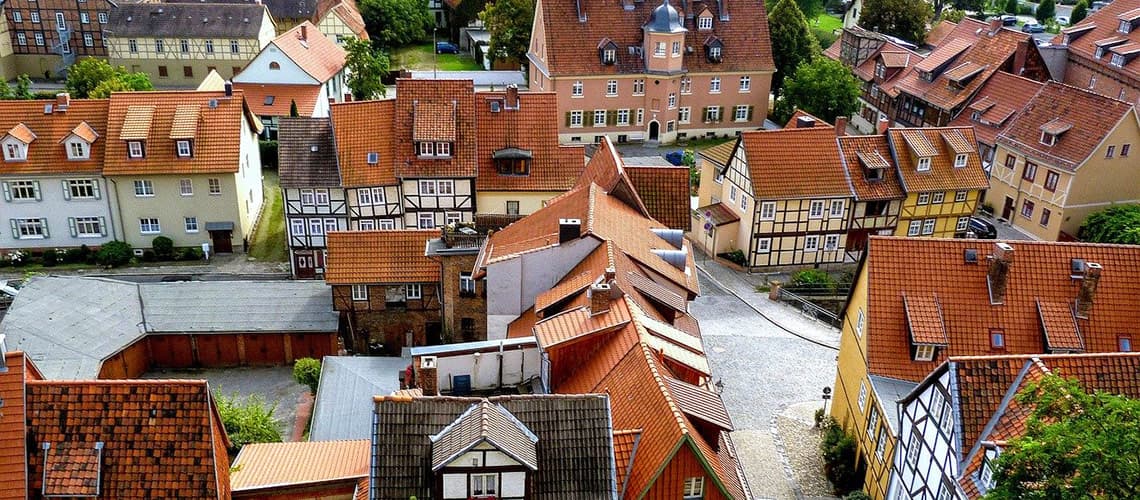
<point x="809" y="308"/>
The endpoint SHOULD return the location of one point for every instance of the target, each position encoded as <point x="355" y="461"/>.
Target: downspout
<point x="118" y="207"/>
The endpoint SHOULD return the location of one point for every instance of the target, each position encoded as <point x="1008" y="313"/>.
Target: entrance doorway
<point x="222" y="241"/>
<point x="1007" y="209"/>
<point x="654" y="130"/>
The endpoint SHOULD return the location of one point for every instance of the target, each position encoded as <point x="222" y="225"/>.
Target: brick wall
<point x="464" y="315"/>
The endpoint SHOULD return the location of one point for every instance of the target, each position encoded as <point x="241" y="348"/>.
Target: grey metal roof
<point x="238" y="306"/>
<point x="68" y="326"/>
<point x="480" y="79"/>
<point x="343" y="407"/>
<point x="574" y="446"/>
<point x="280" y="9"/>
<point x="187" y="20"/>
<point x="665" y="19"/>
<point x="482" y="345"/>
<point x="891" y="390"/>
<point x="306" y="157"/>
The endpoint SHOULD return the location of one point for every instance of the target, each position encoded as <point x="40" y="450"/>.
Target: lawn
<point x="268" y="242"/>
<point x="420" y="57"/>
<point x="827" y="21"/>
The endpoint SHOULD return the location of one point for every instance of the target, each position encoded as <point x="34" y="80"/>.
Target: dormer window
<point x="273" y="66"/>
<point x="135" y="149"/>
<point x="705" y="22"/>
<point x="923" y="352"/>
<point x="959" y="161"/>
<point x="1117" y="60"/>
<point x="1125" y="27"/>
<point x="609" y="56"/>
<point x="1048" y="139"/>
<point x="927" y="76"/>
<point x="924" y="164"/>
<point x="880" y="70"/>
<point x="435" y="149"/>
<point x="512" y="161"/>
<point x="976" y="115"/>
<point x="607" y="51"/>
<point x="183" y="148"/>
<point x="78" y="150"/>
<point x="373" y="158"/>
<point x="15" y="151"/>
<point x="1099" y="52"/>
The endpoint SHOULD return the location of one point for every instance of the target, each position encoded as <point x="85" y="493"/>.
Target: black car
<point x="982" y="228"/>
<point x="446" y="48"/>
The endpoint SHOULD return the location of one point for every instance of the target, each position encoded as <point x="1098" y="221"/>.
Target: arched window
<point x="274" y="65"/>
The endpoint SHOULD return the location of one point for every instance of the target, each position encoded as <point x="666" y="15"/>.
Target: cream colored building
<point x="340" y="20"/>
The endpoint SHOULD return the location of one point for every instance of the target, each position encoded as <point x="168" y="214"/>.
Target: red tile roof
<point x="572" y="45"/>
<point x="47" y="154"/>
<point x="380" y="257"/>
<point x="794" y="163"/>
<point x="939" y="32"/>
<point x="996" y="101"/>
<point x="1100" y="25"/>
<point x="863" y="152"/>
<point x="665" y="192"/>
<point x="531" y="126"/>
<point x="348" y="13"/>
<point x="317" y="55"/>
<point x="13" y="458"/>
<point x="1091" y="117"/>
<point x="924" y="319"/>
<point x="719" y="214"/>
<point x="276" y="100"/>
<point x="360" y="128"/>
<point x="943" y="175"/>
<point x="268" y="465"/>
<point x="625" y="450"/>
<point x="437" y="110"/>
<point x="1041" y="271"/>
<point x="72" y="469"/>
<point x="607" y="169"/>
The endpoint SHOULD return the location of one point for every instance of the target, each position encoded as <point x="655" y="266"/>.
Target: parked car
<point x="446" y="48"/>
<point x="1008" y="20"/>
<point x="982" y="228"/>
<point x="1032" y="28"/>
<point x="1063" y="20"/>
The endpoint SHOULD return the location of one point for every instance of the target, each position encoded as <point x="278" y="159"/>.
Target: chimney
<point x="999" y="272"/>
<point x="569" y="229"/>
<point x="426" y="377"/>
<point x="1087" y="293"/>
<point x="840" y="126"/>
<point x="611" y="273"/>
<point x="883" y="125"/>
<point x="512" y="100"/>
<point x="995" y="25"/>
<point x="62" y="101"/>
<point x="599" y="295"/>
<point x="229" y="88"/>
<point x="1020" y="56"/>
<point x="304" y="32"/>
<point x="805" y="122"/>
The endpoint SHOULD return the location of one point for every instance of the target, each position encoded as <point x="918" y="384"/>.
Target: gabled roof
<point x="306" y="155"/>
<point x="380" y="257"/>
<point x="269" y="99"/>
<point x="47" y="155"/>
<point x="1041" y="272"/>
<point x="1101" y="25"/>
<point x="317" y="55"/>
<point x="280" y="9"/>
<point x="720" y="154"/>
<point x="572" y="42"/>
<point x="607" y="169"/>
<point x="531" y="126"/>
<point x="346" y="11"/>
<point x="484" y="422"/>
<point x="1089" y="117"/>
<point x="665" y="192"/>
<point x="995" y="102"/>
<point x="361" y="128"/>
<point x="943" y="175"/>
<point x="17" y="369"/>
<point x="269" y="465"/>
<point x="183" y="20"/>
<point x="434" y="110"/>
<point x="794" y="163"/>
<point x="939" y="32"/>
<point x="860" y="152"/>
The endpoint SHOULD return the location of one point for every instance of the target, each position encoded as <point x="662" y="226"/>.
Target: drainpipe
<point x="118" y="207"/>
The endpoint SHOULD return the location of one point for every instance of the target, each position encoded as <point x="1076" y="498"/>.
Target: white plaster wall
<point x="519" y="365"/>
<point x="56" y="210"/>
<point x="455" y="486"/>
<point x="257" y="71"/>
<point x="512" y="285"/>
<point x="513" y="484"/>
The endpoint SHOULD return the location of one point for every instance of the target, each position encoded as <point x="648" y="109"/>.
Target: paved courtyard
<point x="766" y="365"/>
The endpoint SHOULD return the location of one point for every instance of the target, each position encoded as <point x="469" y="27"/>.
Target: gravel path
<point x="801" y="440"/>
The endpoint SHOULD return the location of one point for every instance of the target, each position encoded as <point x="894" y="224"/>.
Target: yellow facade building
<point x="942" y="176"/>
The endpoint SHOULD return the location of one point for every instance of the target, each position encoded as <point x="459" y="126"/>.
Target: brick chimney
<point x="512" y="100"/>
<point x="995" y="25"/>
<point x="599" y="295"/>
<point x="1000" y="261"/>
<point x="62" y="101"/>
<point x="1087" y="293"/>
<point x="304" y="32"/>
<point x="611" y="273"/>
<point x="882" y="125"/>
<point x="426" y="376"/>
<point x="840" y="126"/>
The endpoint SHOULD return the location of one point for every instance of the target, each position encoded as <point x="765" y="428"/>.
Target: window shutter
<point x="36" y="188"/>
<point x="95" y="186"/>
<point x="66" y="190"/>
<point x="705" y="114"/>
<point x="45" y="225"/>
<point x="103" y="226"/>
<point x="7" y="192"/>
<point x="71" y="227"/>
<point x="588" y="120"/>
<point x="611" y="117"/>
<point x="567" y="118"/>
<point x="719" y="114"/>
<point x="750" y="107"/>
<point x="15" y="227"/>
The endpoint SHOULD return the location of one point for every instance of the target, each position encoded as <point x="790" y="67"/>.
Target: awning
<point x="219" y="226"/>
<point x="512" y="153"/>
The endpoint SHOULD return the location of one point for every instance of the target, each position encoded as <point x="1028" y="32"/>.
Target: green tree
<point x="1045" y="11"/>
<point x="396" y="23"/>
<point x="5" y="90"/>
<point x="1076" y="445"/>
<point x="822" y="87"/>
<point x="293" y="108"/>
<point x="366" y="67"/>
<point x="307" y="371"/>
<point x="905" y="19"/>
<point x="1117" y="224"/>
<point x="953" y="15"/>
<point x="810" y="8"/>
<point x="1010" y="7"/>
<point x="23" y="88"/>
<point x="1080" y="11"/>
<point x="509" y="22"/>
<point x="95" y="78"/>
<point x="463" y="14"/>
<point x="792" y="42"/>
<point x="248" y="421"/>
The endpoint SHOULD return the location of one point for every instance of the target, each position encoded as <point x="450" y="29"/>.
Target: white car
<point x="1063" y="20"/>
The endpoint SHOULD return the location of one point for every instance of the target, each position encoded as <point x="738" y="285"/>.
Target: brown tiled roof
<point x="799" y="113"/>
<point x="665" y="192"/>
<point x="161" y="438"/>
<point x="719" y="214"/>
<point x="299" y="164"/>
<point x="1041" y="271"/>
<point x="263" y="465"/>
<point x="938" y="32"/>
<point x="625" y="450"/>
<point x="184" y="125"/>
<point x="85" y="132"/>
<point x="943" y="55"/>
<point x="149" y="116"/>
<point x="1091" y="116"/>
<point x="579" y="324"/>
<point x="437" y="110"/>
<point x="794" y="163"/>
<point x="360" y="128"/>
<point x="943" y="175"/>
<point x="317" y="55"/>
<point x="532" y="127"/>
<point x="700" y="403"/>
<point x="348" y="13"/>
<point x="22" y="133"/>
<point x="434" y="121"/>
<point x="997" y="100"/>
<point x="569" y="285"/>
<point x="895" y="59"/>
<point x="924" y="319"/>
<point x="72" y="470"/>
<point x="1059" y="323"/>
<point x="898" y="59"/>
<point x="719" y="154"/>
<point x="269" y="99"/>
<point x="380" y="257"/>
<point x="13" y="443"/>
<point x="1100" y="25"/>
<point x="607" y="169"/>
<point x="873" y="149"/>
<point x="572" y="46"/>
<point x="46" y="155"/>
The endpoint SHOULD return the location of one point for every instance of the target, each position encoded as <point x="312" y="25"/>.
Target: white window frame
<point x="102" y="18"/>
<point x="452" y="218"/>
<point x="704" y="23"/>
<point x="862" y="392"/>
<point x="360" y="293"/>
<point x="924" y="164"/>
<point x="764" y="245"/>
<point x="316" y="227"/>
<point x="32" y="228"/>
<point x="150" y="225"/>
<point x="601" y="113"/>
<point x="386" y="224"/>
<point x="88" y="40"/>
<point x="576" y="118"/>
<point x="947" y="423"/>
<point x="960" y="196"/>
<point x="923" y="352"/>
<point x="427" y="149"/>
<point x="144" y="188"/>
<point x="330" y="225"/>
<point x="672" y="100"/>
<point x="676" y="48"/>
<point x="686" y="85"/>
<point x="815" y="209"/>
<point x="693" y="488"/>
<point x="216" y="189"/>
<point x="611" y="88"/>
<point x="39" y="38"/>
<point x="466" y="283"/>
<point x="836" y="209"/>
<point x="732" y="192"/>
<point x="963" y="224"/>
<point x="740" y="113"/>
<point x="767" y="210"/>
<point x="684" y="114"/>
<point x="234" y="47"/>
<point x="24" y="190"/>
<point x="959" y="160"/>
<point x="487" y="484"/>
<point x="183" y="147"/>
<point x="427" y="187"/>
<point x="860" y="322"/>
<point x="928" y="226"/>
<point x="714" y="85"/>
<point x="82" y="189"/>
<point x="17" y="17"/>
<point x="915" y="228"/>
<point x="937" y="198"/>
<point x="923" y="199"/>
<point x="185" y="187"/>
<point x="639" y="87"/>
<point x="425" y="217"/>
<point x="831" y="242"/>
<point x="659" y="49"/>
<point x="811" y="243"/>
<point x="443" y="149"/>
<point x="364" y="197"/>
<point x="190" y="224"/>
<point x="445" y="186"/>
<point x="297" y="227"/>
<point x="135" y="149"/>
<point x="912" y="449"/>
<point x="623" y="117"/>
<point x="88" y="227"/>
<point x="320" y="196"/>
<point x="640" y="116"/>
<point x="307" y="198"/>
<point x="414" y="291"/>
<point x="745" y="84"/>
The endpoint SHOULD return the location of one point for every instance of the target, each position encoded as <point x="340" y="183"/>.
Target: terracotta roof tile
<point x="532" y="126"/>
<point x="665" y="192"/>
<point x="943" y="55"/>
<point x="1100" y="25"/>
<point x="924" y="319"/>
<point x="815" y="121"/>
<point x="380" y="257"/>
<point x="938" y="32"/>
<point x="579" y="324"/>
<point x="719" y="154"/>
<point x="566" y="287"/>
<point x="347" y="11"/>
<point x="895" y="59"/>
<point x="700" y="403"/>
<point x="795" y="163"/>
<point x="437" y="110"/>
<point x="918" y="142"/>
<point x="978" y="48"/>
<point x="998" y="99"/>
<point x="268" y="99"/>
<point x="625" y="451"/>
<point x="22" y="133"/>
<point x="264" y="465"/>
<point x="943" y="175"/>
<point x="1059" y="323"/>
<point x="957" y="142"/>
<point x="73" y="469"/>
<point x="46" y="155"/>
<point x="361" y="128"/>
<point x="607" y="169"/>
<point x="719" y="214"/>
<point x="1091" y="117"/>
<point x="136" y="123"/>
<point x="316" y="54"/>
<point x="863" y="152"/>
<point x="13" y="442"/>
<point x="184" y="125"/>
<point x="434" y="121"/>
<point x="982" y="383"/>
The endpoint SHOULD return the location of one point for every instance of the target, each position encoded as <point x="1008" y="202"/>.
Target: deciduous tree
<point x="810" y="8"/>
<point x="1045" y="11"/>
<point x="366" y="66"/>
<point x="822" y="87"/>
<point x="904" y="19"/>
<point x="248" y="421"/>
<point x="396" y="23"/>
<point x="1118" y="224"/>
<point x="95" y="78"/>
<point x="509" y="22"/>
<point x="792" y="41"/>
<point x="1080" y="11"/>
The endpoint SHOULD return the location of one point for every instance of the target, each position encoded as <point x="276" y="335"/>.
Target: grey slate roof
<point x="574" y="447"/>
<point x="343" y="407"/>
<point x="280" y="9"/>
<point x="188" y="20"/>
<point x="484" y="422"/>
<point x="238" y="306"/>
<point x="298" y="165"/>
<point x="68" y="326"/>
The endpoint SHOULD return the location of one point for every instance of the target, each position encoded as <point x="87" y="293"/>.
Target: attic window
<point x="274" y="65"/>
<point x="880" y="70"/>
<point x="184" y="150"/>
<point x="15" y="151"/>
<point x="1117" y="60"/>
<point x="923" y="352"/>
<point x="924" y="164"/>
<point x="714" y="54"/>
<point x="705" y="22"/>
<point x="1125" y="26"/>
<point x="78" y="150"/>
<point x="976" y="115"/>
<point x="496" y="106"/>
<point x="373" y="157"/>
<point x="997" y="339"/>
<point x="927" y="76"/>
<point x="1124" y="343"/>
<point x="269" y="100"/>
<point x="959" y="160"/>
<point x="512" y="161"/>
<point x="609" y="56"/>
<point x="1048" y="139"/>
<point x="135" y="149"/>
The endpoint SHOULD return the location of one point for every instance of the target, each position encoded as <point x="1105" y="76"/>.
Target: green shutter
<point x="95" y="184"/>
<point x="567" y="118"/>
<point x="705" y="114"/>
<point x="750" y="107"/>
<point x="66" y="190"/>
<point x="611" y="117"/>
<point x="588" y="119"/>
<point x="71" y="226"/>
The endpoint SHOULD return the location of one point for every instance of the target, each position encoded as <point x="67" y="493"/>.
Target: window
<point x="912" y="449"/>
<point x="163" y="72"/>
<point x="746" y="84"/>
<point x="88" y="40"/>
<point x="452" y="218"/>
<point x="1045" y="215"/>
<point x="31" y="229"/>
<point x="81" y="189"/>
<point x="367" y="225"/>
<point x="443" y="149"/>
<point x="915" y="228"/>
<point x="191" y="224"/>
<point x="427" y="187"/>
<point x="387" y="224"/>
<point x="135" y="149"/>
<point x="836" y="208"/>
<point x="947" y="419"/>
<point x="149" y="225"/>
<point x="684" y="114"/>
<point x="816" y="209"/>
<point x="1027" y="209"/>
<point x="639" y="87"/>
<point x="1050" y="139"/>
<point x="576" y="118"/>
<point x="15" y="151"/>
<point x="1110" y="152"/>
<point x="872" y="422"/>
<point x="704" y="23"/>
<point x="640" y="116"/>
<point x="1051" y="179"/>
<point x="316" y="227"/>
<point x="360" y="292"/>
<point x="445" y="187"/>
<point x="712" y="114"/>
<point x="714" y="54"/>
<point x="960" y="196"/>
<point x="466" y="285"/>
<point x="676" y="49"/>
<point x="186" y="187"/>
<point x="609" y="56"/>
<point x="997" y="339"/>
<point x="862" y="392"/>
<point x="17" y="17"/>
<point x="686" y="85"/>
<point x="928" y="226"/>
<point x="512" y="207"/>
<point x="25" y="190"/>
<point x="811" y="243"/>
<point x="414" y="291"/>
<point x="764" y="245"/>
<point x="831" y="242"/>
<point x="39" y="38"/>
<point x="623" y="117"/>
<point x="963" y="224"/>
<point x="307" y="197"/>
<point x="427" y="149"/>
<point x="35" y="16"/>
<point x="576" y="89"/>
<point x="859" y="324"/>
<point x="923" y="164"/>
<point x="599" y="117"/>
<point x="937" y="198"/>
<point x="216" y="189"/>
<point x="102" y="18"/>
<point x="923" y="352"/>
<point x="184" y="45"/>
<point x="959" y="161"/>
<point x="21" y="39"/>
<point x="611" y="88"/>
<point x="694" y="488"/>
<point x="881" y="443"/>
<point x="741" y="113"/>
<point x="158" y="46"/>
<point x="986" y="475"/>
<point x="233" y="46"/>
<point x="144" y="188"/>
<point x="426" y="221"/>
<point x="743" y="203"/>
<point x="732" y="193"/>
<point x="183" y="148"/>
<point x="296" y="227"/>
<point x="1124" y="150"/>
<point x="1124" y="344"/>
<point x="659" y="49"/>
<point x="330" y="225"/>
<point x="88" y="227"/>
<point x="77" y="150"/>
<point x="672" y="100"/>
<point x="714" y="85"/>
<point x="1010" y="161"/>
<point x="767" y="210"/>
<point x="60" y="22"/>
<point x="209" y="46"/>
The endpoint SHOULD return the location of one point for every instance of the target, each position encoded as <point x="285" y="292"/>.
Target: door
<point x="1007" y="209"/>
<point x="304" y="266"/>
<point x="654" y="130"/>
<point x="433" y="330"/>
<point x="222" y="241"/>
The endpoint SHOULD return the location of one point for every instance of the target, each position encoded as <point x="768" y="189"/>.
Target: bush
<point x="838" y="449"/>
<point x="190" y="253"/>
<point x="813" y="280"/>
<point x="149" y="256"/>
<point x="268" y="153"/>
<point x="114" y="254"/>
<point x="857" y="495"/>
<point x="247" y="421"/>
<point x="307" y="371"/>
<point x="76" y="255"/>
<point x="163" y="247"/>
<point x="735" y="257"/>
<point x="825" y="37"/>
<point x="50" y="257"/>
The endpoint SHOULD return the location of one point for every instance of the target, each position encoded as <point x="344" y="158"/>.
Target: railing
<point x="809" y="308"/>
<point x="461" y="240"/>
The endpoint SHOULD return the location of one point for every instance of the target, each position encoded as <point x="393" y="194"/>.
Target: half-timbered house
<point x="942" y="175"/>
<point x="875" y="184"/>
<point x="310" y="186"/>
<point x="363" y="134"/>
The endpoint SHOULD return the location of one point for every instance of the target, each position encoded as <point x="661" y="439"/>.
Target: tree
<point x="1010" y="7"/>
<point x="905" y="19"/>
<point x="307" y="371"/>
<point x="1045" y="11"/>
<point x="811" y="8"/>
<point x="1117" y="224"/>
<point x="1076" y="445"/>
<point x="396" y="23"/>
<point x="366" y="66"/>
<point x="1080" y="11"/>
<point x="23" y="88"/>
<point x="822" y="87"/>
<point x="293" y="108"/>
<point x="792" y="42"/>
<point x="954" y="15"/>
<point x="509" y="22"/>
<point x="248" y="421"/>
<point x="95" y="78"/>
<point x="114" y="254"/>
<point x="6" y="90"/>
<point x="163" y="247"/>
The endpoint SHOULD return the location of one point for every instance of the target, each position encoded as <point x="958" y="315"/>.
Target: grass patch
<point x="704" y="143"/>
<point x="419" y="57"/>
<point x="827" y="22"/>
<point x="268" y="242"/>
